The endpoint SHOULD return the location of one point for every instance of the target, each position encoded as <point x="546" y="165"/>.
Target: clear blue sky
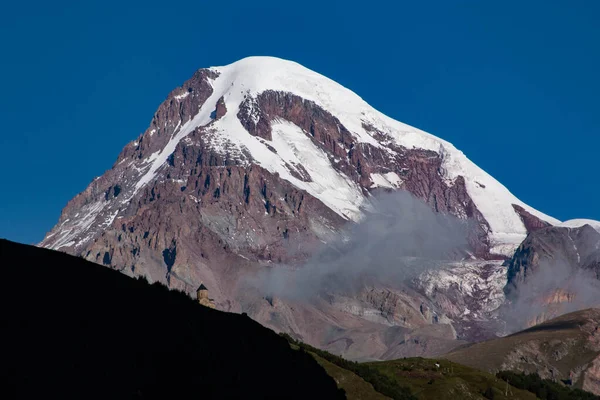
<point x="514" y="84"/>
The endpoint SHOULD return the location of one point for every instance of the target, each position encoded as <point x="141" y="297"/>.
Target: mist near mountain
<point x="398" y="239"/>
<point x="553" y="289"/>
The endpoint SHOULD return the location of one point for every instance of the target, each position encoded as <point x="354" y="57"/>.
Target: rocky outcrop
<point x="573" y="248"/>
<point x="553" y="271"/>
<point x="591" y="377"/>
<point x="531" y="222"/>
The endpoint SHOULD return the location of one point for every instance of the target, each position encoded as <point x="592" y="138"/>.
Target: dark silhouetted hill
<point x="74" y="329"/>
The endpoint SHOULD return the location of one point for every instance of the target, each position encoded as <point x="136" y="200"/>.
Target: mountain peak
<point x="239" y="85"/>
<point x="309" y="131"/>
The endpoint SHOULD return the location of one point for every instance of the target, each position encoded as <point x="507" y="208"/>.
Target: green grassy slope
<point x="411" y="378"/>
<point x="355" y="387"/>
<point x="449" y="381"/>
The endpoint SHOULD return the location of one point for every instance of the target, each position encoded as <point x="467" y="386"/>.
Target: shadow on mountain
<point x="72" y="328"/>
<point x="552" y="326"/>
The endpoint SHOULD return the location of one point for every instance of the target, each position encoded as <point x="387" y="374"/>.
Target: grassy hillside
<point x="74" y="329"/>
<point x="552" y="349"/>
<point x="356" y="388"/>
<point x="449" y="381"/>
<point x="545" y="389"/>
<point x="412" y="378"/>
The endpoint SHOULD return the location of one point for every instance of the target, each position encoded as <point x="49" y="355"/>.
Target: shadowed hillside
<point x="74" y="329"/>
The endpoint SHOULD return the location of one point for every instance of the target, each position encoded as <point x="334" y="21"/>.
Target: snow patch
<point x="294" y="147"/>
<point x="483" y="292"/>
<point x="388" y="180"/>
<point x="576" y="223"/>
<point x="71" y="243"/>
<point x="72" y="231"/>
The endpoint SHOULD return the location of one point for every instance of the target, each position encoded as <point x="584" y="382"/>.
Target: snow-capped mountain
<point x="249" y="114"/>
<point x="261" y="161"/>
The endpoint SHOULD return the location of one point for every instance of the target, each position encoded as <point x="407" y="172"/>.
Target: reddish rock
<point x="531" y="222"/>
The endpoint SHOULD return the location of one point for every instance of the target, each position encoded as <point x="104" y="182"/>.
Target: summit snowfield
<point x="295" y="157"/>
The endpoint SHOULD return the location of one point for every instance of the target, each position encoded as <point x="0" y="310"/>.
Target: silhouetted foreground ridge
<point x="74" y="329"/>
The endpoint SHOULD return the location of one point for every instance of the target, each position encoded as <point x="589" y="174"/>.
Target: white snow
<point x="467" y="279"/>
<point x="492" y="199"/>
<point x="574" y="247"/>
<point x="295" y="156"/>
<point x="71" y="243"/>
<point x="253" y="75"/>
<point x="294" y="147"/>
<point x="182" y="96"/>
<point x="576" y="223"/>
<point x="72" y="231"/>
<point x="389" y="180"/>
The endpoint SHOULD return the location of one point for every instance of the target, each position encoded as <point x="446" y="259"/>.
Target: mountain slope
<point x="567" y="347"/>
<point x="423" y="378"/>
<point x="78" y="330"/>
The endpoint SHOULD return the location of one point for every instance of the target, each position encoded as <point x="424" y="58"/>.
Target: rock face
<point x="257" y="164"/>
<point x="591" y="377"/>
<point x="577" y="248"/>
<point x="556" y="269"/>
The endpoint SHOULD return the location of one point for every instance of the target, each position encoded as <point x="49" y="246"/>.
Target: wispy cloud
<point x="399" y="240"/>
<point x="556" y="287"/>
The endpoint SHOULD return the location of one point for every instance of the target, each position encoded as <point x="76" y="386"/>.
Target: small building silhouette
<point x="202" y="296"/>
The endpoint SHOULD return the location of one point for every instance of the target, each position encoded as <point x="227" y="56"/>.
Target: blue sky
<point x="513" y="84"/>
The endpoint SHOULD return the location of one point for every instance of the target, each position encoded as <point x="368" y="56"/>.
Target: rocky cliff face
<point x="555" y="270"/>
<point x="577" y="248"/>
<point x="258" y="163"/>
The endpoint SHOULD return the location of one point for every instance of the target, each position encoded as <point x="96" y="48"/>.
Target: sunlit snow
<point x="254" y="75"/>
